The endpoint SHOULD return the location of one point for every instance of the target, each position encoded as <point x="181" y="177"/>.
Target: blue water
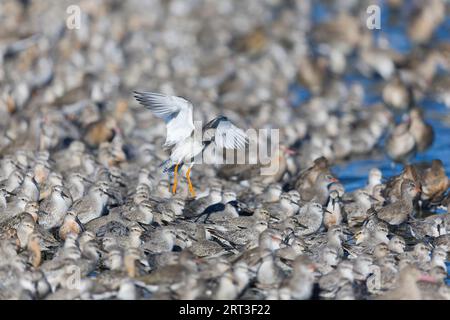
<point x="353" y="174"/>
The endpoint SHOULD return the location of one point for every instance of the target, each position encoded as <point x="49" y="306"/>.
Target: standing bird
<point x="398" y="212"/>
<point x="406" y="288"/>
<point x="401" y="144"/>
<point x="178" y="116"/>
<point x="422" y="132"/>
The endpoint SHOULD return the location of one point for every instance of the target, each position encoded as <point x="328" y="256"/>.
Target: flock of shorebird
<point x="312" y="241"/>
<point x="87" y="211"/>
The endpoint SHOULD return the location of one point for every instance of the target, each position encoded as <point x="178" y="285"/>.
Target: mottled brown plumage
<point x="398" y="212"/>
<point x="433" y="179"/>
<point x="392" y="192"/>
<point x="422" y="132"/>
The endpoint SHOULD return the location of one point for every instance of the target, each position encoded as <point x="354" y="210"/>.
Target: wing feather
<point x="225" y="134"/>
<point x="175" y="111"/>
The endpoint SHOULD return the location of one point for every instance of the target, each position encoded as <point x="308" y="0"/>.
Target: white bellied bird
<point x="177" y="113"/>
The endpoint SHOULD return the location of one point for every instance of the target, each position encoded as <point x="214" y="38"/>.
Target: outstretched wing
<point x="224" y="133"/>
<point x="175" y="111"/>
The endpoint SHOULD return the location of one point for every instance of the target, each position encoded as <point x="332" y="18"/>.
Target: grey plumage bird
<point x="399" y="211"/>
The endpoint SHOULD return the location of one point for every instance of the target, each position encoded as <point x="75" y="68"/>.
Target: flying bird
<point x="177" y="113"/>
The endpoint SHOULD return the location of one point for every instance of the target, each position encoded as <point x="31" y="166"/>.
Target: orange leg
<point x="175" y="181"/>
<point x="191" y="188"/>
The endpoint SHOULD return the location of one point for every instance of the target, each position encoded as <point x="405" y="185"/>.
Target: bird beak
<point x="192" y="238"/>
<point x="275" y="218"/>
<point x="302" y="225"/>
<point x="80" y="224"/>
<point x="87" y="180"/>
<point x="65" y="195"/>
<point x="17" y="165"/>
<point x="439" y="229"/>
<point x="109" y="193"/>
<point x="178" y="237"/>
